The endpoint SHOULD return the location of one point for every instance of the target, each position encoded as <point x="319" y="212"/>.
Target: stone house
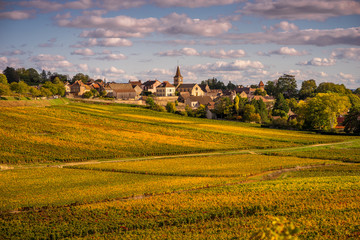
<point x="122" y="91"/>
<point x="165" y="89"/>
<point x="196" y="101"/>
<point x="78" y="88"/>
<point x="193" y="88"/>
<point x="150" y="86"/>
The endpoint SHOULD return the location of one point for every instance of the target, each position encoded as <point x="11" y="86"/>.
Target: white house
<point x="165" y="89"/>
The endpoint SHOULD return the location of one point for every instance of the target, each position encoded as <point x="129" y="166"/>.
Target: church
<point x="192" y="88"/>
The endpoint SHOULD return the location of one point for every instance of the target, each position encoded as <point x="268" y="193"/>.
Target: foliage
<point x="19" y="87"/>
<point x="150" y="102"/>
<point x="328" y="87"/>
<point x="280" y="228"/>
<point x="286" y="85"/>
<point x="170" y="107"/>
<point x="354" y="100"/>
<point x="308" y="89"/>
<point x="281" y="106"/>
<point x="87" y="94"/>
<point x="34" y="91"/>
<point x="80" y="76"/>
<point x="3" y="79"/>
<point x="249" y="111"/>
<point x="321" y="111"/>
<point x="352" y="120"/>
<point x="260" y="92"/>
<point x="260" y="109"/>
<point x="270" y="88"/>
<point x="214" y="84"/>
<point x="11" y="75"/>
<point x="224" y="107"/>
<point x="4" y="89"/>
<point x="200" y="111"/>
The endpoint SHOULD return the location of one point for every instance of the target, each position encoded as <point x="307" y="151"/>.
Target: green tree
<point x="293" y="104"/>
<point x="34" y="92"/>
<point x="94" y="92"/>
<point x="270" y="88"/>
<point x="308" y="89"/>
<point x="103" y="93"/>
<point x="170" y="107"/>
<point x="249" y="111"/>
<point x="237" y="104"/>
<point x="20" y="87"/>
<point x="11" y="75"/>
<point x="4" y="89"/>
<point x="281" y="107"/>
<point x="150" y="102"/>
<point x="260" y="92"/>
<point x="354" y="99"/>
<point x="327" y="87"/>
<point x="80" y="76"/>
<point x="189" y="111"/>
<point x="231" y="86"/>
<point x="33" y="77"/>
<point x="224" y="107"/>
<point x="357" y="91"/>
<point x="321" y="111"/>
<point x="87" y="94"/>
<point x="201" y="111"/>
<point x="260" y="108"/>
<point x="3" y="79"/>
<point x="286" y="85"/>
<point x="43" y="76"/>
<point x="45" y="92"/>
<point x="352" y="120"/>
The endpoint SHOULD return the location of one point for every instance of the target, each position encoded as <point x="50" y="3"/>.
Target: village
<point x="192" y="95"/>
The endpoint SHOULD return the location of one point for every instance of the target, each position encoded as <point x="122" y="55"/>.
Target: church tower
<point x="178" y="79"/>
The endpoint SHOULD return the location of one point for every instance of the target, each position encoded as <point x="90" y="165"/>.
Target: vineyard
<point x="92" y="171"/>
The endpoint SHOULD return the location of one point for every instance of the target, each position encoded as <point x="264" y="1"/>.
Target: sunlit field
<point x="91" y="171"/>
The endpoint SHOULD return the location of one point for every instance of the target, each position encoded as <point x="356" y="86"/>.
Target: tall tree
<point x="3" y="79"/>
<point x="352" y="121"/>
<point x="11" y="75"/>
<point x="328" y="87"/>
<point x="281" y="107"/>
<point x="308" y="89"/>
<point x="270" y="88"/>
<point x="286" y="85"/>
<point x="321" y="111"/>
<point x="20" y="87"/>
<point x="80" y="76"/>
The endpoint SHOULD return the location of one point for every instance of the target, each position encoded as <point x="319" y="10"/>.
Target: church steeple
<point x="178" y="79"/>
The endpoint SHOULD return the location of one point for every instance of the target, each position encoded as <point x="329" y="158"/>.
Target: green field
<point x="92" y="171"/>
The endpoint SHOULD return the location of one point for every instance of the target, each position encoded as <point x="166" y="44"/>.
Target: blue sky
<point x="232" y="40"/>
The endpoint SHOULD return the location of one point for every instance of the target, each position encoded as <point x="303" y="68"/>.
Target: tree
<point x="34" y="91"/>
<point x="80" y="76"/>
<point x="150" y="102"/>
<point x="357" y="91"/>
<point x="103" y="93"/>
<point x="201" y="111"/>
<point x="281" y="107"/>
<point x="286" y="85"/>
<point x="270" y="88"/>
<point x="260" y="108"/>
<point x="260" y="92"/>
<point x="352" y="120"/>
<point x="170" y="107"/>
<point x="249" y="111"/>
<point x="3" y="79"/>
<point x="224" y="107"/>
<point x="33" y="77"/>
<point x="354" y="99"/>
<point x="45" y="92"/>
<point x="20" y="87"/>
<point x="11" y="75"/>
<point x="231" y="86"/>
<point x="308" y="89"/>
<point x="4" y="89"/>
<point x="94" y="92"/>
<point x="43" y="76"/>
<point x="237" y="104"/>
<point x="321" y="111"/>
<point x="87" y="94"/>
<point x="293" y="104"/>
<point x="327" y="87"/>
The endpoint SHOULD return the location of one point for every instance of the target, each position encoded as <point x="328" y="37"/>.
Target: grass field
<point x="90" y="171"/>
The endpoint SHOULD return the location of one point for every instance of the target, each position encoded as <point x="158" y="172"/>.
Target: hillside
<point x="92" y="171"/>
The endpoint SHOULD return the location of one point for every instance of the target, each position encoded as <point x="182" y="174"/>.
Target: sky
<point x="232" y="40"/>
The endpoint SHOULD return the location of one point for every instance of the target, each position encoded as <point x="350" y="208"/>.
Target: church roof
<point x="178" y="74"/>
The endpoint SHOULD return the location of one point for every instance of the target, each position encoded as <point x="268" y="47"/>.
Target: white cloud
<point x="112" y="56"/>
<point x="13" y="53"/>
<point x="319" y="10"/>
<point x="83" y="67"/>
<point x="326" y="37"/>
<point x="124" y="26"/>
<point x="237" y="65"/>
<point x="52" y="63"/>
<point x="107" y="42"/>
<point x="47" y="57"/>
<point x="224" y="54"/>
<point x="83" y="52"/>
<point x="319" y="62"/>
<point x="194" y="3"/>
<point x="49" y="6"/>
<point x="180" y="52"/>
<point x="16" y="15"/>
<point x="284" y="51"/>
<point x="346" y="53"/>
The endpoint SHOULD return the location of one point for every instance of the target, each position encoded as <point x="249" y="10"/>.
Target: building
<point x="178" y="79"/>
<point x="165" y="89"/>
<point x="196" y="101"/>
<point x="150" y="86"/>
<point x="78" y="88"/>
<point x="123" y="90"/>
<point x="193" y="88"/>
